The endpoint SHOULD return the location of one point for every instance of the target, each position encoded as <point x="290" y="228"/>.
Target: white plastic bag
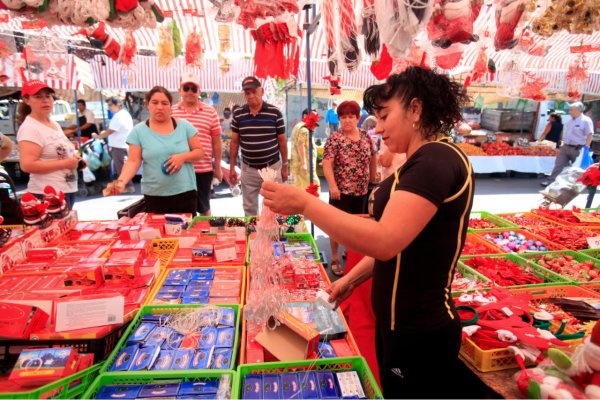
<point x="565" y="187"/>
<point x="88" y="175"/>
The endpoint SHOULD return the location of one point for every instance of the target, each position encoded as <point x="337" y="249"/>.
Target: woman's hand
<point x="72" y="162"/>
<point x="334" y="193"/>
<point x="284" y="199"/>
<point x="340" y="290"/>
<point x="114" y="188"/>
<point x="174" y="163"/>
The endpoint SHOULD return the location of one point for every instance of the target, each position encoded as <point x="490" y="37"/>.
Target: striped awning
<point x="73" y="74"/>
<point x="199" y="14"/>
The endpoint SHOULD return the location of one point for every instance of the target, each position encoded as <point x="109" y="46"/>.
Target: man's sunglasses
<point x="193" y="88"/>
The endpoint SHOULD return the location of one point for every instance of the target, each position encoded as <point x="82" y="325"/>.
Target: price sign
<point x="594" y="242"/>
<point x="586" y="217"/>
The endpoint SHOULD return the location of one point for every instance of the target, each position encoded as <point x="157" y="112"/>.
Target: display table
<point x="499" y="382"/>
<point x="526" y="164"/>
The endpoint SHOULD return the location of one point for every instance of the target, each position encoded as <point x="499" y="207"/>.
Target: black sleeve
<point x="435" y="172"/>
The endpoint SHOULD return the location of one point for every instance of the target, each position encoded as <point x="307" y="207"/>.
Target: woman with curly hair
<point x="412" y="244"/>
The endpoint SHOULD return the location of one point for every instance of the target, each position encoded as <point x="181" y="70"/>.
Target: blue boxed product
<point x="158" y="336"/>
<point x="164" y="360"/>
<point x="159" y="390"/>
<point x="222" y="359"/>
<point x="308" y="385"/>
<point x="196" y="291"/>
<point x="125" y="358"/>
<point x="176" y="274"/>
<point x="145" y="358"/>
<point x="207" y="274"/>
<point x="182" y="359"/>
<point x="200" y="284"/>
<point x="170" y="298"/>
<point x="173" y="341"/>
<point x="252" y="388"/>
<point x="208" y="338"/>
<point x="202" y="359"/>
<point x="176" y="282"/>
<point x="327" y="385"/>
<point x="197" y="397"/>
<point x="199" y="387"/>
<point x="227" y="317"/>
<point x="141" y="332"/>
<point x="290" y="386"/>
<point x="171" y="289"/>
<point x="271" y="386"/>
<point x="326" y="351"/>
<point x="162" y="318"/>
<point x="194" y="300"/>
<point x="119" y="392"/>
<point x="225" y="337"/>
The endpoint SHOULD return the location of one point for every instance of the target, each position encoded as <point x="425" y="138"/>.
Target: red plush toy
<point x="591" y="176"/>
<point x="508" y="15"/>
<point x="34" y="211"/>
<point x="98" y="32"/>
<point x="452" y="22"/>
<point x="334" y="84"/>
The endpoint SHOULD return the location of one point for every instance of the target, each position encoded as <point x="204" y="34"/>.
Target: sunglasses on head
<point x="193" y="88"/>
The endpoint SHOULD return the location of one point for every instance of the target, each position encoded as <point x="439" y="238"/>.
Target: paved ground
<point x="492" y="194"/>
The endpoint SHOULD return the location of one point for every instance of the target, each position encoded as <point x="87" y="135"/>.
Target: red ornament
<point x="313" y="189"/>
<point x="310" y="120"/>
<point x="591" y="176"/>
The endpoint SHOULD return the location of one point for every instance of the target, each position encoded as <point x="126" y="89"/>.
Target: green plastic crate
<point x="578" y="256"/>
<point x="140" y="378"/>
<point x="466" y="271"/>
<point x="293" y="237"/>
<point x="593" y="253"/>
<point x="358" y="364"/>
<point x="501" y="224"/>
<point x="170" y="309"/>
<point x="71" y="387"/>
<point x="550" y="278"/>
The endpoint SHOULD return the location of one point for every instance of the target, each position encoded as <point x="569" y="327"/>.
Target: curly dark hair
<point x="441" y="98"/>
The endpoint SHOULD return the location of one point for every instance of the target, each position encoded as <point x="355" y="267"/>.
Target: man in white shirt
<point x="118" y="130"/>
<point x="577" y="133"/>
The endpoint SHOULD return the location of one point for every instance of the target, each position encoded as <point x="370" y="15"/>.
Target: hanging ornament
<point x="452" y="22"/>
<point x="176" y="39"/>
<point x="226" y="10"/>
<point x="382" y="67"/>
<point x="349" y="35"/>
<point x="332" y="55"/>
<point x="334" y="84"/>
<point x="128" y="50"/>
<point x="483" y="65"/>
<point x="416" y="57"/>
<point x="369" y="29"/>
<point x="193" y="49"/>
<point x="449" y="57"/>
<point x="577" y="76"/>
<point x="47" y="55"/>
<point x="575" y="16"/>
<point x="532" y="87"/>
<point x="165" y="48"/>
<point x="400" y="21"/>
<point x="508" y="15"/>
<point x="276" y="51"/>
<point x="98" y="37"/>
<point x="224" y="32"/>
<point x="509" y="78"/>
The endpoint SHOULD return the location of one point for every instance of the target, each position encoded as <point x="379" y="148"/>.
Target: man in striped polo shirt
<point x="259" y="130"/>
<point x="205" y="119"/>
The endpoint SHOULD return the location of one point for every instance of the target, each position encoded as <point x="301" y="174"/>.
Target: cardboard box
<point x="290" y="340"/>
<point x="11" y="254"/>
<point x="40" y="366"/>
<point x="225" y="251"/>
<point x="18" y="321"/>
<point x="88" y="311"/>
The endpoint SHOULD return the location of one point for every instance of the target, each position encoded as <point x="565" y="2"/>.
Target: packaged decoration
<point x="194" y="49"/>
<point x="165" y="48"/>
<point x="452" y="22"/>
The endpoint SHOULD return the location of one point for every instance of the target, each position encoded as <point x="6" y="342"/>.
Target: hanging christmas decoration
<point x="382" y="67"/>
<point x="349" y="35"/>
<point x="509" y="78"/>
<point x="577" y="76"/>
<point x="128" y="49"/>
<point x="531" y="45"/>
<point x="165" y="48"/>
<point x="46" y="54"/>
<point x="226" y="10"/>
<point x="276" y="52"/>
<point x="452" y="22"/>
<point x="575" y="16"/>
<point x="508" y="15"/>
<point x="416" y="57"/>
<point x="483" y="65"/>
<point x="194" y="49"/>
<point x="400" y="21"/>
<point x="224" y="32"/>
<point x="253" y="10"/>
<point x="532" y="87"/>
<point x="448" y="58"/>
<point x="334" y="84"/>
<point x="369" y="29"/>
<point x="98" y="38"/>
<point x="332" y="55"/>
<point x="177" y="47"/>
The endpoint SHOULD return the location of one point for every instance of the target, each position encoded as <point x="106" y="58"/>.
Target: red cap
<point x="33" y="86"/>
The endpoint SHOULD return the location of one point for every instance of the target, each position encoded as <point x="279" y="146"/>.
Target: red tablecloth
<point x="361" y="319"/>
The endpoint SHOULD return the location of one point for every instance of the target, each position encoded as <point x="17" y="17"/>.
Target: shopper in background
<point x="119" y="128"/>
<point x="299" y="164"/>
<point x="578" y="133"/>
<point x="44" y="150"/>
<point x="87" y="122"/>
<point x="259" y="130"/>
<point x="165" y="148"/>
<point x="206" y="121"/>
<point x="332" y="118"/>
<point x="6" y="146"/>
<point x="349" y="164"/>
<point x="554" y="130"/>
<point x="421" y="215"/>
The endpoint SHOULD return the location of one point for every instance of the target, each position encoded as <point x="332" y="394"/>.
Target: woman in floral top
<point x="349" y="163"/>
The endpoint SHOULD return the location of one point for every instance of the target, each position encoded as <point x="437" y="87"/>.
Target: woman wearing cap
<point x="349" y="164"/>
<point x="44" y="150"/>
<point x="165" y="148"/>
<point x="412" y="244"/>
